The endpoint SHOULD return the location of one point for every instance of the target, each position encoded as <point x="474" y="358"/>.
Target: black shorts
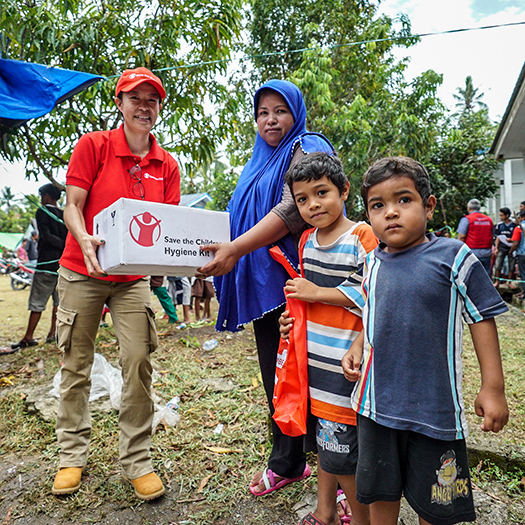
<point x="336" y="445"/>
<point x="432" y="474"/>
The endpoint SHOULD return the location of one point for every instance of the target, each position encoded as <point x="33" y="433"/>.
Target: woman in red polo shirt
<point x="105" y="166"/>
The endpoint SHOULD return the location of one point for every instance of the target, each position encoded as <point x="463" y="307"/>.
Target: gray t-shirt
<point x="416" y="302"/>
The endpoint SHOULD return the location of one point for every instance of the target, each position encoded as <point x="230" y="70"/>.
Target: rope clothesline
<point x="334" y="46"/>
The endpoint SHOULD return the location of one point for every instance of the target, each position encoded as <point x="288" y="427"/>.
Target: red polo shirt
<point x="99" y="164"/>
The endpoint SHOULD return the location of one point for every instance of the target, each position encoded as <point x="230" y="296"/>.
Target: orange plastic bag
<point x="290" y="394"/>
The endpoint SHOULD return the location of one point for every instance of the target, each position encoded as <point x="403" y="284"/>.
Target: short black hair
<point x="50" y="189"/>
<point x="505" y="211"/>
<point x="315" y="166"/>
<point x="522" y="213"/>
<point x="390" y="167"/>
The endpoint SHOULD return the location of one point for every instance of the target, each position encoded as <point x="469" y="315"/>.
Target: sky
<point x="492" y="57"/>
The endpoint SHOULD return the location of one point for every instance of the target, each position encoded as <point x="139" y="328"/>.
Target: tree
<point x="461" y="168"/>
<point x="222" y="186"/>
<point x="16" y="217"/>
<point x="468" y="98"/>
<point x="183" y="42"/>
<point x="354" y="88"/>
<point x="7" y="198"/>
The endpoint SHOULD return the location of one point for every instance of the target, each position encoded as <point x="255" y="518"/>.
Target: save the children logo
<point x="449" y="486"/>
<point x="144" y="229"/>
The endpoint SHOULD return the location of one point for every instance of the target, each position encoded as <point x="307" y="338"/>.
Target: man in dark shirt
<point x="51" y="242"/>
<point x="503" y="233"/>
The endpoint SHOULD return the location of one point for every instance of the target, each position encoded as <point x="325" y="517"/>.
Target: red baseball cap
<point x="131" y="78"/>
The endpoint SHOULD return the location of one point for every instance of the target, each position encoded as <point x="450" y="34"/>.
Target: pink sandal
<point x="310" y="519"/>
<point x="347" y="513"/>
<point x="268" y="477"/>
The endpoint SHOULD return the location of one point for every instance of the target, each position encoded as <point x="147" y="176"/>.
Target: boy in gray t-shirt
<point x="407" y="360"/>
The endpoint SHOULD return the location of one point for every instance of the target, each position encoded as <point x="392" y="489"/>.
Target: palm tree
<point x="469" y="98"/>
<point x="7" y="198"/>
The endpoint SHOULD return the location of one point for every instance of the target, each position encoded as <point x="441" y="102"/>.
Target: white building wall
<point x="518" y="183"/>
<point x="511" y="179"/>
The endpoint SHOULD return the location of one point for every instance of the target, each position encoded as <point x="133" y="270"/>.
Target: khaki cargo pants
<point x="82" y="299"/>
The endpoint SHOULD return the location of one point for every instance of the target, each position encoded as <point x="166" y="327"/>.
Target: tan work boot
<point x="147" y="487"/>
<point x="67" y="480"/>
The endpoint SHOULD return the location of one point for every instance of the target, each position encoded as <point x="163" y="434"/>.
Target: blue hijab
<point x="255" y="285"/>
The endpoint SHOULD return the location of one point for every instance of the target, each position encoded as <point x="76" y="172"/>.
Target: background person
<point x="503" y="233"/>
<point x="518" y="249"/>
<point x="32" y="248"/>
<point x="179" y="289"/>
<point x="202" y="290"/>
<point x="51" y="244"/>
<point x="158" y="288"/>
<point x="21" y="251"/>
<point x="105" y="166"/>
<point x="263" y="212"/>
<point x="475" y="230"/>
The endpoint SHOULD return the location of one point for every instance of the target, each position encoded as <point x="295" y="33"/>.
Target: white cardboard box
<point x="149" y="238"/>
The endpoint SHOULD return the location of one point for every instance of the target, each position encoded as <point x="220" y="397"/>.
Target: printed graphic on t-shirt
<point x="327" y="438"/>
<point x="449" y="486"/>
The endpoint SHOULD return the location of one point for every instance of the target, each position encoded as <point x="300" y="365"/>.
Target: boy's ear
<point x="431" y="206"/>
<point x="346" y="191"/>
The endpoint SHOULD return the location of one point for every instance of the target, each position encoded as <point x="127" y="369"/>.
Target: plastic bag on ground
<point x="166" y="414"/>
<point x="105" y="380"/>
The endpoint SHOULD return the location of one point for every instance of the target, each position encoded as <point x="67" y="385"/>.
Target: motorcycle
<point x="4" y="266"/>
<point x="20" y="274"/>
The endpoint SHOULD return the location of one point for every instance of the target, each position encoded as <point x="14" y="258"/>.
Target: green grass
<point x="204" y="486"/>
<point x="511" y="330"/>
<point x="486" y="474"/>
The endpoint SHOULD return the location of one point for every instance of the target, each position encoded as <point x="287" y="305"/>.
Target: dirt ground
<point x="21" y="477"/>
<point x="25" y="481"/>
<point x="18" y="474"/>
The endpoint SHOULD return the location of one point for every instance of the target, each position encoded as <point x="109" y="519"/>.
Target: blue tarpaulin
<point x="29" y="90"/>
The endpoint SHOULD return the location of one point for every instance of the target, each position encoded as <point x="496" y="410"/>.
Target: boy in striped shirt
<point x="335" y="248"/>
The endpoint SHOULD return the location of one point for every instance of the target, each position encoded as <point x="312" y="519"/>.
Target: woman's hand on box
<point x="76" y="224"/>
<point x="268" y="230"/>
<point x="225" y="257"/>
<point x="89" y="245"/>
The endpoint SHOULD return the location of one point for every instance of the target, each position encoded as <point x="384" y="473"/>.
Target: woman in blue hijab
<point x="248" y="281"/>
